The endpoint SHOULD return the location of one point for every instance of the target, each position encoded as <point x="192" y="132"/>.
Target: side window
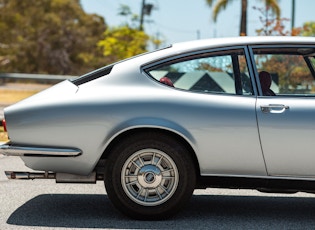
<point x="291" y="69"/>
<point x="218" y="72"/>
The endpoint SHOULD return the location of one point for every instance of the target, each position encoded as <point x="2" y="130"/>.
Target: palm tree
<point x="221" y="5"/>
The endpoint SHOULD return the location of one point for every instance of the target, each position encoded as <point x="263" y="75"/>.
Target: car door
<point x="221" y="108"/>
<point x="286" y="121"/>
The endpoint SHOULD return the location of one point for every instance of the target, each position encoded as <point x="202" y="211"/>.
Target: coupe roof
<point x="261" y="40"/>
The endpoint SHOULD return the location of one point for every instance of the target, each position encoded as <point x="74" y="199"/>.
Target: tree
<point x="308" y="29"/>
<point x="131" y="18"/>
<point x="126" y="40"/>
<point x="222" y="4"/>
<point x="123" y="42"/>
<point x="271" y="26"/>
<point x="49" y="36"/>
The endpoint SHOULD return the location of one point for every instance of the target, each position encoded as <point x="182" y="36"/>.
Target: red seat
<point x="166" y="81"/>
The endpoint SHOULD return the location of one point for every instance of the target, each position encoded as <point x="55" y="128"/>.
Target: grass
<point x="10" y="96"/>
<point x="3" y="135"/>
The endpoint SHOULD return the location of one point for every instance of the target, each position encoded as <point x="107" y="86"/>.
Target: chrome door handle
<point x="274" y="108"/>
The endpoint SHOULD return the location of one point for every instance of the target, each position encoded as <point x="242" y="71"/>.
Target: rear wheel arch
<point x="160" y="131"/>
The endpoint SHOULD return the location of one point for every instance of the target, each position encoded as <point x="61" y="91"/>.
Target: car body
<point x="192" y="115"/>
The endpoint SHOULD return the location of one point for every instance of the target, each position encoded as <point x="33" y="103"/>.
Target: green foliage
<point x="308" y="29"/>
<point x="123" y="42"/>
<point x="49" y="36"/>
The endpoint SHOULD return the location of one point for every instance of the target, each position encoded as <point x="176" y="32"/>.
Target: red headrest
<point x="166" y="81"/>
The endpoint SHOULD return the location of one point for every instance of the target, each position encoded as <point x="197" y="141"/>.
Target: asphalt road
<point x="43" y="204"/>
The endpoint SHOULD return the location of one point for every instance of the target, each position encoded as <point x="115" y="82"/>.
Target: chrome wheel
<point x="149" y="177"/>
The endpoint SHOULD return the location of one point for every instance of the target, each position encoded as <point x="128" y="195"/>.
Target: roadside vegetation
<point x="63" y="39"/>
<point x="10" y="96"/>
<point x="3" y="135"/>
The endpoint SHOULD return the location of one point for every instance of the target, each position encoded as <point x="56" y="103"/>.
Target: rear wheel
<point x="149" y="176"/>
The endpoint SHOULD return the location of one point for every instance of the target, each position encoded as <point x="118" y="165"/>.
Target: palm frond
<point x="274" y="6"/>
<point x="219" y="6"/>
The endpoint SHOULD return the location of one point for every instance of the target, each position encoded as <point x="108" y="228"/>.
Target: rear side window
<point x="291" y="69"/>
<point x="222" y="72"/>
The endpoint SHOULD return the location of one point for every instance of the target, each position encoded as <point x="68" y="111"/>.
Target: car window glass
<point x="219" y="72"/>
<point x="291" y="69"/>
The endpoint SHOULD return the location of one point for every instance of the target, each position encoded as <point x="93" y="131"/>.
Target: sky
<point x="177" y="20"/>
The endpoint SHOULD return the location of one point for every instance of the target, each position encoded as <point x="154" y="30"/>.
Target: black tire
<point x="149" y="176"/>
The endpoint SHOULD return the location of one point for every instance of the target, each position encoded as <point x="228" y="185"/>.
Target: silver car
<point x="229" y="112"/>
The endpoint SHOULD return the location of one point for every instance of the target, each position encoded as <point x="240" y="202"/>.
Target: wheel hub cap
<point x="149" y="176"/>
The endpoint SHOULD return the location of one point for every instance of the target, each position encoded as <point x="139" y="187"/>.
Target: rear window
<point x="93" y="75"/>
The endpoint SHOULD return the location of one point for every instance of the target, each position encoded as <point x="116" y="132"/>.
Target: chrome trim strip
<point x="32" y="151"/>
